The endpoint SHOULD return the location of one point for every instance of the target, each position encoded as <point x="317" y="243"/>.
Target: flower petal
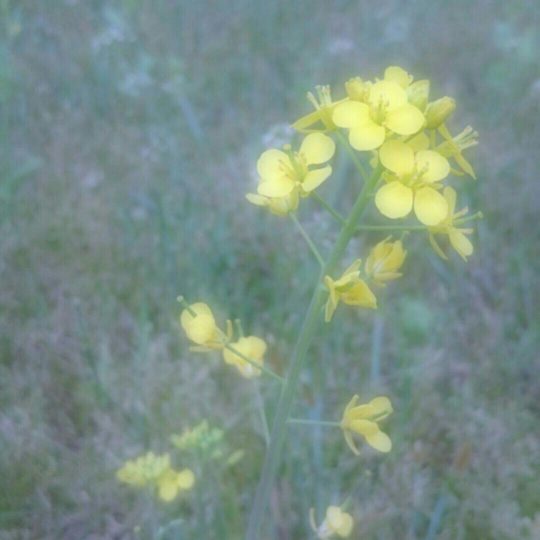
<point x="394" y="200"/>
<point x="404" y="120"/>
<point x="363" y="427"/>
<point x="450" y="195"/>
<point x="367" y="137"/>
<point x="350" y="113"/>
<point x="317" y="148"/>
<point x="272" y="163"/>
<point x="315" y="178"/>
<point x="381" y="405"/>
<point x="389" y="93"/>
<point x="258" y="200"/>
<point x="397" y="157"/>
<point x="430" y="206"/>
<point x="380" y="441"/>
<point x="419" y="142"/>
<point x="277" y="187"/>
<point x="435" y="166"/>
<point x="398" y="75"/>
<point x="460" y="243"/>
<point x="185" y="479"/>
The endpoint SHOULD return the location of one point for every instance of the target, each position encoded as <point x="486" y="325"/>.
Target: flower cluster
<point x="413" y="156"/>
<point x="155" y="471"/>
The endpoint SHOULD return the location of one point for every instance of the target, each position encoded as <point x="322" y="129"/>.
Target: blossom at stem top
<point x="384" y="261"/>
<point x="412" y="182"/>
<point x="450" y="227"/>
<point x="385" y="108"/>
<point x="286" y="172"/>
<point x="251" y="347"/>
<point x="363" y="420"/>
<point x="337" y="523"/>
<point x="200" y="326"/>
<point x="350" y="289"/>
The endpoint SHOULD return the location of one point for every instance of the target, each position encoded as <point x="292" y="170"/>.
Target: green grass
<point x="128" y="136"/>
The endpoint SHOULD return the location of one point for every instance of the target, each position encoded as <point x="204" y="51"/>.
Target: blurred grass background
<point x="128" y="136"/>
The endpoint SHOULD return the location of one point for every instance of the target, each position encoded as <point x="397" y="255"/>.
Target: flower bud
<point x="199" y="324"/>
<point x="418" y="94"/>
<point x="384" y="261"/>
<point x="438" y="111"/>
<point x="357" y="89"/>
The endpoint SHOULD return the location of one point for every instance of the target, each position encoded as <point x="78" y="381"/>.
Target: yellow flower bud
<point x="418" y="94"/>
<point x="337" y="523"/>
<point x="250" y="347"/>
<point x="357" y="89"/>
<point x="384" y="261"/>
<point x="199" y="324"/>
<point x="438" y="111"/>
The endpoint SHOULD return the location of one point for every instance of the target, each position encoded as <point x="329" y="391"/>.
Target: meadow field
<point x="129" y="133"/>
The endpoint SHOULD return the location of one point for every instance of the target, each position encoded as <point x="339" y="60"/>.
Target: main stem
<point x="288" y="390"/>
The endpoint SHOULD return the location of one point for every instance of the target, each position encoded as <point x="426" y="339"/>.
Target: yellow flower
<point x="398" y="75"/>
<point x="250" y="347"/>
<point x="200" y="326"/>
<point x="452" y="147"/>
<point x="413" y="182"/>
<point x="363" y="420"/>
<point x="384" y="261"/>
<point x="283" y="173"/>
<point x="172" y="482"/>
<point x="456" y="235"/>
<point x="144" y="469"/>
<point x="280" y="206"/>
<point x="337" y="523"/>
<point x="349" y="289"/>
<point x="322" y="115"/>
<point x="385" y="108"/>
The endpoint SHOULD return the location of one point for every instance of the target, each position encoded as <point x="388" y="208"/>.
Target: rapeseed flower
<point x="250" y="347"/>
<point x="156" y="471"/>
<point x="286" y="172"/>
<point x="450" y="227"/>
<point x="199" y="324"/>
<point x="413" y="182"/>
<point x="349" y="289"/>
<point x="337" y="523"/>
<point x="384" y="261"/>
<point x="363" y="420"/>
<point x="383" y="106"/>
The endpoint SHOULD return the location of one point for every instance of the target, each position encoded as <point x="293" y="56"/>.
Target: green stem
<point x="288" y="390"/>
<point x="309" y="241"/>
<point x="307" y="422"/>
<point x="263" y="368"/>
<point x="334" y="213"/>
<point x="352" y="155"/>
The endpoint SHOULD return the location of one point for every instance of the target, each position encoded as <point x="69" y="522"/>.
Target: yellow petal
<point x="167" y="486"/>
<point x="367" y="137"/>
<point x="338" y="521"/>
<point x="435" y="166"/>
<point x="350" y="442"/>
<point x="272" y="163"/>
<point x="387" y="93"/>
<point x="398" y="75"/>
<point x="419" y="142"/>
<point x="350" y="114"/>
<point x="381" y="405"/>
<point x="397" y="157"/>
<point x="418" y="94"/>
<point x="404" y="120"/>
<point x="436" y="247"/>
<point x="380" y="441"/>
<point x="346" y="526"/>
<point x="277" y="187"/>
<point x="394" y="200"/>
<point x="360" y="295"/>
<point x="450" y="196"/>
<point x="430" y="206"/>
<point x="257" y="347"/>
<point x="200" y="327"/>
<point x="363" y="427"/>
<point x="317" y="148"/>
<point x="258" y="200"/>
<point x="460" y="243"/>
<point x="314" y="179"/>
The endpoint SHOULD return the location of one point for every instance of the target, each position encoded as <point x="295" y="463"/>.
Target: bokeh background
<point x="128" y="136"/>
